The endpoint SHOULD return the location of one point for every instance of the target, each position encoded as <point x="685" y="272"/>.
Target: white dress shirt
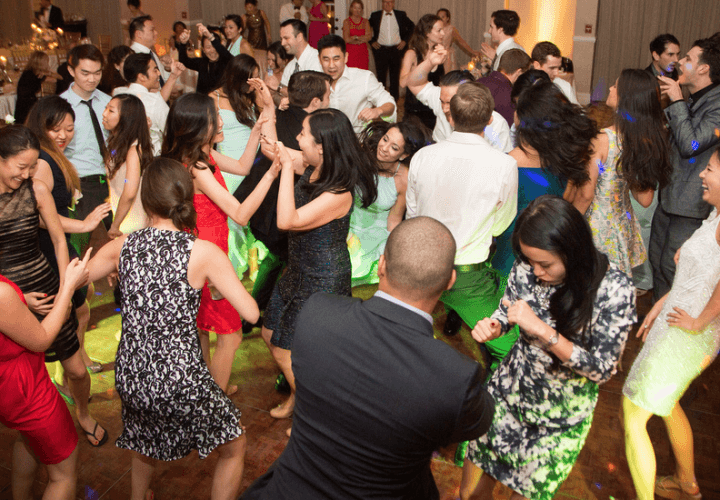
<point x="155" y="108"/>
<point x="497" y="133"/>
<point x="287" y="11"/>
<point x="467" y="185"/>
<point x="308" y="60"/>
<point x="567" y="89"/>
<point x="139" y="48"/>
<point x="389" y="30"/>
<point x="505" y="45"/>
<point x="356" y="90"/>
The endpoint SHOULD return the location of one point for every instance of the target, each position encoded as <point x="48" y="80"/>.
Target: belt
<point x="94" y="178"/>
<point x="466" y="268"/>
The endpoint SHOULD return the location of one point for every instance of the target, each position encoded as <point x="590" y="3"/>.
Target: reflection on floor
<point x="600" y="473"/>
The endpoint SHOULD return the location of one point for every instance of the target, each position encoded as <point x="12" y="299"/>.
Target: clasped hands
<point x="518" y="313"/>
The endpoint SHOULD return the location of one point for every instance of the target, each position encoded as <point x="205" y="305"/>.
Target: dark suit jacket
<point x="56" y="19"/>
<point x="694" y="133"/>
<point x="651" y="69"/>
<point x="404" y="23"/>
<point x="376" y="395"/>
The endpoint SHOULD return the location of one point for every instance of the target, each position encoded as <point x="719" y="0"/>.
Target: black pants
<point x="389" y="58"/>
<point x="95" y="191"/>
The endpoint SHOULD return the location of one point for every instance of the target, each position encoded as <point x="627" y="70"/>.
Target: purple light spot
<point x="628" y="117"/>
<point x="599" y="92"/>
<point x="90" y="494"/>
<point x="695" y="145"/>
<point x="117" y="310"/>
<point x="691" y="160"/>
<point x="598" y="485"/>
<point x="547" y="123"/>
<point x="98" y="293"/>
<point x="628" y="215"/>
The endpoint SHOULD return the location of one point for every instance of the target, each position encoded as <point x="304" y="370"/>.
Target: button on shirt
<point x="83" y="151"/>
<point x="308" y="60"/>
<point x="505" y="45"/>
<point x="389" y="30"/>
<point x="139" y="48"/>
<point x="497" y="133"/>
<point x="356" y="90"/>
<point x="155" y="108"/>
<point x="467" y="185"/>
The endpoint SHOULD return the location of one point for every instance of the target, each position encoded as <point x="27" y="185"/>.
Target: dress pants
<point x="95" y="191"/>
<point x="389" y="58"/>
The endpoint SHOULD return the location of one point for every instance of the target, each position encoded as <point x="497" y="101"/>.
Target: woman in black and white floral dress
<point x="170" y="403"/>
<point x="575" y="311"/>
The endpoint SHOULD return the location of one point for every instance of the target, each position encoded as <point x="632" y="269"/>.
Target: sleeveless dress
<point x="672" y="357"/>
<point x="256" y="31"/>
<point x="136" y="217"/>
<point x="415" y="107"/>
<point x="30" y="403"/>
<point x="22" y="262"/>
<point x="358" y="56"/>
<point x="170" y="403"/>
<point x="317" y="29"/>
<point x="234" y="47"/>
<point x="212" y="225"/>
<point x="615" y="230"/>
<point x="543" y="413"/>
<point x="318" y="261"/>
<point x="369" y="233"/>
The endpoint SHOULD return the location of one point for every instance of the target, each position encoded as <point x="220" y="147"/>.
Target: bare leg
<point x="205" y="346"/>
<point x="142" y="471"/>
<point x="229" y="469"/>
<point x="221" y="364"/>
<point x="639" y="450"/>
<point x="62" y="478"/>
<point x="79" y="384"/>
<point x="475" y="485"/>
<point x="24" y="466"/>
<point x="282" y="358"/>
<point x="681" y="439"/>
<point x="83" y="317"/>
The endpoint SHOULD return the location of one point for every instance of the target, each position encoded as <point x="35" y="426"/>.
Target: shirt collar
<point x="505" y="43"/>
<point x="138" y="88"/>
<point x="694" y="98"/>
<point x="399" y="302"/>
<point x="75" y="99"/>
<point x="467" y="138"/>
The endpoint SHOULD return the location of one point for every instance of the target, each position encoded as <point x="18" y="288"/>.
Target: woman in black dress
<point x="211" y="65"/>
<point x="30" y="83"/>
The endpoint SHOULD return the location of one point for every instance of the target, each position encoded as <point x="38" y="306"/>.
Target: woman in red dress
<point x="319" y="26"/>
<point x="29" y="402"/>
<point x="193" y="126"/>
<point x="357" y="33"/>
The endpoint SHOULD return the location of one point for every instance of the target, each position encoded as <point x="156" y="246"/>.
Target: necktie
<point x="96" y="125"/>
<point x="157" y="61"/>
<point x="297" y="67"/>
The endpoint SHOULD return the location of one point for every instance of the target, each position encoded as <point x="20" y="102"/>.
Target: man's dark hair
<point x="456" y="77"/>
<point x="85" y="51"/>
<point x="513" y="60"/>
<point x="710" y="55"/>
<point x="136" y="64"/>
<point x="660" y="42"/>
<point x="304" y="86"/>
<point x="297" y="25"/>
<point x="543" y="50"/>
<point x="329" y="41"/>
<point x="508" y="20"/>
<point x="137" y="24"/>
<point x="134" y="3"/>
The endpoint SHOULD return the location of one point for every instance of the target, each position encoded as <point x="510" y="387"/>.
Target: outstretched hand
<point x="488" y="50"/>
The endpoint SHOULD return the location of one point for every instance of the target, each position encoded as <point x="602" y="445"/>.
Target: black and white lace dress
<point x="170" y="403"/>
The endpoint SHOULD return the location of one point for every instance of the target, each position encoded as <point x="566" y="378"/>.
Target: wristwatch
<point x="552" y="341"/>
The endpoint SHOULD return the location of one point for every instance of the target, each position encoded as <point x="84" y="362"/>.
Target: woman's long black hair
<point x="131" y="128"/>
<point x="191" y="125"/>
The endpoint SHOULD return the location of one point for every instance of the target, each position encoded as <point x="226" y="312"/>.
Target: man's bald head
<point x="419" y="258"/>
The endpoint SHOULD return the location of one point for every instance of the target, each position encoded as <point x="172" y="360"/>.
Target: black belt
<point x="94" y="178"/>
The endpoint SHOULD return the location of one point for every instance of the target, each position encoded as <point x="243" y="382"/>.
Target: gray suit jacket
<point x="696" y="135"/>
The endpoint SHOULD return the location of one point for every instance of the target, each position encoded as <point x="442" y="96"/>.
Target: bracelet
<point x="552" y="341"/>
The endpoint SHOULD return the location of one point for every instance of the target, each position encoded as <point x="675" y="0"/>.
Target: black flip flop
<point x="100" y="441"/>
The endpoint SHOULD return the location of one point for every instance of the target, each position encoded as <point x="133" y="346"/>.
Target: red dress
<point x="358" y="56"/>
<point x="30" y="403"/>
<point x="317" y="29"/>
<point x="212" y="225"/>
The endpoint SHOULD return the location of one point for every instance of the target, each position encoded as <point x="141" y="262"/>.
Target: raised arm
<point x="418" y="76"/>
<point x="409" y="63"/>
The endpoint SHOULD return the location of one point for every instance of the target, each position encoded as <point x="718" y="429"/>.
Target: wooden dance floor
<point x="600" y="473"/>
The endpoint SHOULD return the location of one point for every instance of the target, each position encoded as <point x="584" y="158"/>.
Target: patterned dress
<point x="318" y="261"/>
<point x="672" y="357"/>
<point x="543" y="412"/>
<point x="170" y="403"/>
<point x="257" y="37"/>
<point x="615" y="230"/>
<point x="358" y="55"/>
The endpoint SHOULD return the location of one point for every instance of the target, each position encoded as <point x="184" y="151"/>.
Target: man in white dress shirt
<point x="144" y="35"/>
<point x="547" y="57"/>
<point x="355" y="92"/>
<point x="497" y="131"/>
<point x="293" y="37"/>
<point x="471" y="188"/>
<point x="503" y="27"/>
<point x="294" y="10"/>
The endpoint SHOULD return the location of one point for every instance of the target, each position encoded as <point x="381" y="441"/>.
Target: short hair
<point x="236" y="19"/>
<point x="710" y="55"/>
<point x="118" y="54"/>
<point x="329" y="41"/>
<point x="543" y="50"/>
<point x="660" y="42"/>
<point x="508" y="20"/>
<point x="471" y="107"/>
<point x="446" y="11"/>
<point x="298" y="27"/>
<point x="304" y="86"/>
<point x="419" y="257"/>
<point x="137" y="24"/>
<point x="179" y="23"/>
<point x="278" y="50"/>
<point x="358" y="2"/>
<point x="85" y="51"/>
<point x="136" y="64"/>
<point x="134" y="3"/>
<point x="252" y="2"/>
<point x="456" y="77"/>
<point x="513" y="60"/>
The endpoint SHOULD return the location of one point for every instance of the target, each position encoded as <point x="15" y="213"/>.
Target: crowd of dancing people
<point x="501" y="198"/>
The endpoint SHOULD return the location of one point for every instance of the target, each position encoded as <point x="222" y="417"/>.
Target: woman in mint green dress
<point x="393" y="145"/>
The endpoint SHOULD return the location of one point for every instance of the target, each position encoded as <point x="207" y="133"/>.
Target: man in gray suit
<point x="695" y="129"/>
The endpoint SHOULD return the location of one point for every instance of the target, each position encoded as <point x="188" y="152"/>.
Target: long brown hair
<point x="131" y="128"/>
<point x="45" y="115"/>
<point x="418" y="41"/>
<point x="234" y="85"/>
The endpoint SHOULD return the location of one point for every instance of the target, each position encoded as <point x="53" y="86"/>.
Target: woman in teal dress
<point x="393" y="146"/>
<point x="233" y="28"/>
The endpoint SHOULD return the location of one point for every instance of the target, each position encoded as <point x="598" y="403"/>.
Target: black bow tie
<point x="388" y="13"/>
<point x="297" y="8"/>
